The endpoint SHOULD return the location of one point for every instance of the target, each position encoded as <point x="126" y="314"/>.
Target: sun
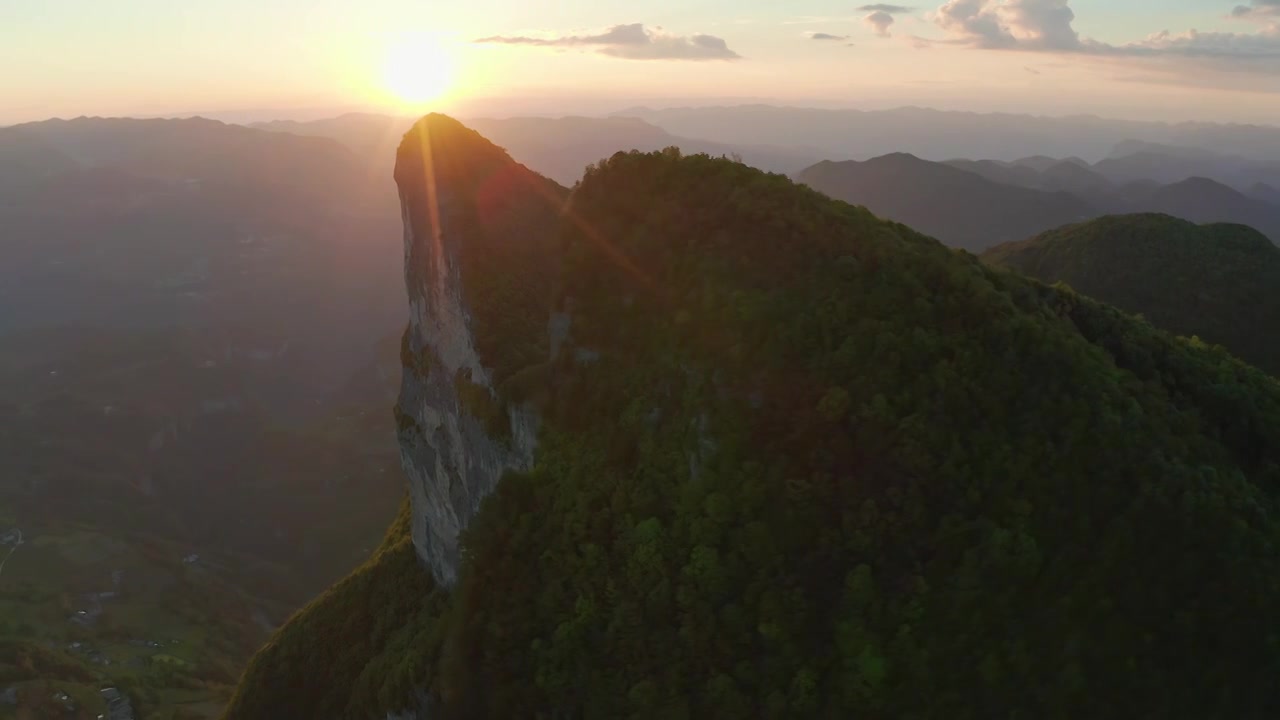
<point x="418" y="70"/>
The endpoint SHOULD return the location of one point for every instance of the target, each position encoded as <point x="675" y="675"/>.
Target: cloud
<point x="884" y="8"/>
<point x="1266" y="10"/>
<point x="817" y="19"/>
<point x="1264" y="45"/>
<point x="1029" y="24"/>
<point x="976" y="22"/>
<point x="1047" y="25"/>
<point x="880" y="21"/>
<point x="826" y="36"/>
<point x="880" y="16"/>
<point x="632" y="42"/>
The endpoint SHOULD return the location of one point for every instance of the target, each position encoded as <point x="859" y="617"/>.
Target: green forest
<point x="1218" y="282"/>
<point x="818" y="465"/>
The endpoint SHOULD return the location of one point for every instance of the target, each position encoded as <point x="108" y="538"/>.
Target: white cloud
<point x="1047" y="25"/>
<point x="632" y="42"/>
<point x="1028" y="24"/>
<point x="886" y="8"/>
<point x="880" y="16"/>
<point x="1264" y="10"/>
<point x="880" y="21"/>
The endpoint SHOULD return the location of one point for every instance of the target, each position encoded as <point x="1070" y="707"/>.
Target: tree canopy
<point x="1218" y="282"/>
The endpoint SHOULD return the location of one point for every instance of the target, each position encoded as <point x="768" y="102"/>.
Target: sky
<point x="1148" y="59"/>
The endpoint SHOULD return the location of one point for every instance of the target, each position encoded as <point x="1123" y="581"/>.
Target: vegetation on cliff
<point x="345" y="651"/>
<point x="1218" y="282"/>
<point x="797" y="461"/>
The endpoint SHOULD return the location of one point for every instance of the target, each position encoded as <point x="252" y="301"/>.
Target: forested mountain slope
<point x="1218" y="282"/>
<point x="791" y="461"/>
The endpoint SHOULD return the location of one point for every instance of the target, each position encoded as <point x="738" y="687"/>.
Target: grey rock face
<point x="450" y="460"/>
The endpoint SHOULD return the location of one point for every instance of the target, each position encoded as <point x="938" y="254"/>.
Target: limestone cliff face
<point x="470" y="213"/>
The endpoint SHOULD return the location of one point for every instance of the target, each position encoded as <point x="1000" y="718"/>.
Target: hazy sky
<point x="1177" y="59"/>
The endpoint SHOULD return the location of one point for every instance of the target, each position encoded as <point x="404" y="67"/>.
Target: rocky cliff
<point x="462" y="219"/>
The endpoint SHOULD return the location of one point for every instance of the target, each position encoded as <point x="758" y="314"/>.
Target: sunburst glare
<point x="418" y="70"/>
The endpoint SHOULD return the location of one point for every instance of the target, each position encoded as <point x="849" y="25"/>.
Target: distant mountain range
<point x="975" y="204"/>
<point x="941" y="134"/>
<point x="559" y="148"/>
<point x="972" y="204"/>
<point x="1219" y="282"/>
<point x="958" y="207"/>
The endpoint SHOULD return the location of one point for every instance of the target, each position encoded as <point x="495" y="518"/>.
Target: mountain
<point x="1206" y="201"/>
<point x="940" y="134"/>
<point x="1129" y="148"/>
<point x="1009" y="174"/>
<point x="695" y="440"/>
<point x="1075" y="177"/>
<point x="1041" y="163"/>
<point x="1131" y="166"/>
<point x="1250" y="141"/>
<point x="221" y="157"/>
<point x="1151" y="165"/>
<point x="1071" y="175"/>
<point x="958" y="207"/>
<point x="1133" y="160"/>
<point x="560" y="148"/>
<point x="1218" y="282"/>
<point x="1266" y="193"/>
<point x="977" y="204"/>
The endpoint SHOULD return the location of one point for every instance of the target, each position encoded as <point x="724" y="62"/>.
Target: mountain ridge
<point x="558" y="147"/>
<point x="940" y="134"/>
<point x="975" y="205"/>
<point x="961" y="208"/>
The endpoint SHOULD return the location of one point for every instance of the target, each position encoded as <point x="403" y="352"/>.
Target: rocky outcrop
<point x="470" y="215"/>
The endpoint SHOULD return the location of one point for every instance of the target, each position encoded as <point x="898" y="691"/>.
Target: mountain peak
<point x="897" y="157"/>
<point x="480" y="233"/>
<point x="1198" y="183"/>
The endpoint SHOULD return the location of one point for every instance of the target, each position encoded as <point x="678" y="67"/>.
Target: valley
<point x="196" y="370"/>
